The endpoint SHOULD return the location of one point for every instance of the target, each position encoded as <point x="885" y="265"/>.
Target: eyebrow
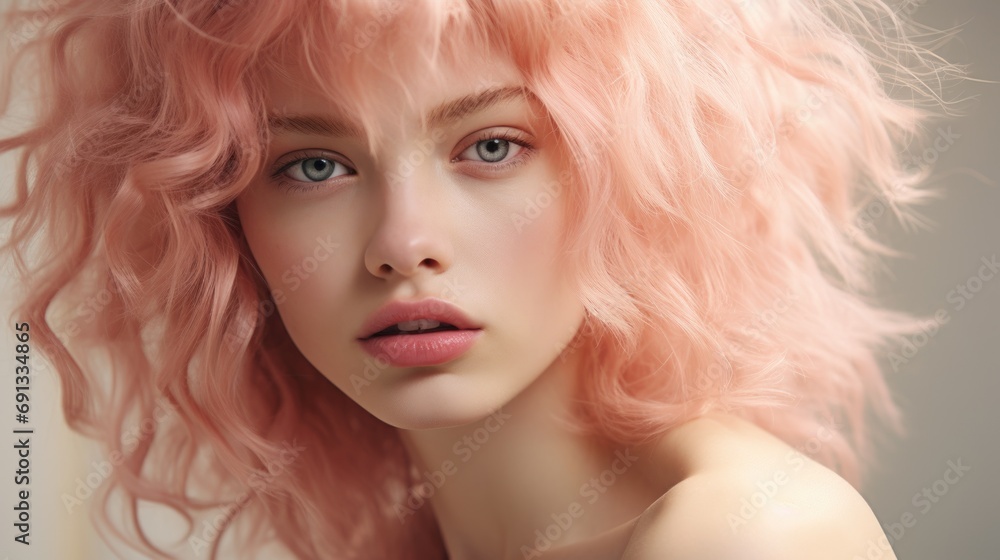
<point x="445" y="113"/>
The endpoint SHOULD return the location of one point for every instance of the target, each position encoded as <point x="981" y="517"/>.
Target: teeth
<point x="408" y="326"/>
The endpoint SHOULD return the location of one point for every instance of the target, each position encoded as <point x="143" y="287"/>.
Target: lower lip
<point x="427" y="349"/>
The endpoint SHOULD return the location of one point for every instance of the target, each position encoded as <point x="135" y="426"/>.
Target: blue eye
<point x="309" y="172"/>
<point x="493" y="150"/>
<point x="317" y="169"/>
<point x="493" y="147"/>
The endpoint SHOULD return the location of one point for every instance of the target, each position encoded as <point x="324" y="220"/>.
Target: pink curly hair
<point x="721" y="152"/>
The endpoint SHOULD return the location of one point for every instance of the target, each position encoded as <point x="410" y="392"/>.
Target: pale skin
<point x="516" y="472"/>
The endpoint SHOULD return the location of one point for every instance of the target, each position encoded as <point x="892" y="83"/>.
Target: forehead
<point x="352" y="98"/>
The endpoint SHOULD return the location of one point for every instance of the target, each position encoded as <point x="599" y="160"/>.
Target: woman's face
<point x="468" y="211"/>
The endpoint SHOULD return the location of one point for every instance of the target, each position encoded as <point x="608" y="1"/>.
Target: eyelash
<point x="527" y="151"/>
<point x="292" y="185"/>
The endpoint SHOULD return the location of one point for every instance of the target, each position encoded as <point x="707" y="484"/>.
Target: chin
<point x="440" y="400"/>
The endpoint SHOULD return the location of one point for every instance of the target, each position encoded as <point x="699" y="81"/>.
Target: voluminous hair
<point x="724" y="159"/>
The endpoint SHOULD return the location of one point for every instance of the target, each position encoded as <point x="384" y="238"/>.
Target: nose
<point x="412" y="234"/>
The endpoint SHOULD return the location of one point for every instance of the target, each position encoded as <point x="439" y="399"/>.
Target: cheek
<point x="528" y="272"/>
<point x="541" y="300"/>
<point x="521" y="237"/>
<point x="301" y="262"/>
<point x="531" y="257"/>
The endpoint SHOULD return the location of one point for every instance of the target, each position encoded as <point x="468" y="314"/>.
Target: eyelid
<point x="277" y="173"/>
<point x="286" y="163"/>
<point x="510" y="135"/>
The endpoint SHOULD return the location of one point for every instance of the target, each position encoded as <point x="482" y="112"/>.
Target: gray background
<point x="949" y="388"/>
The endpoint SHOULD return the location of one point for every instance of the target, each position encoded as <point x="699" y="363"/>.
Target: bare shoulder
<point x="749" y="495"/>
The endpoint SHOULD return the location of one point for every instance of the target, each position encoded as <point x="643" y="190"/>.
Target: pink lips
<point x="427" y="349"/>
<point x="424" y="349"/>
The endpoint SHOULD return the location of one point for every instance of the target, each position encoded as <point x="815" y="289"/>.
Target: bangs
<point x="369" y="57"/>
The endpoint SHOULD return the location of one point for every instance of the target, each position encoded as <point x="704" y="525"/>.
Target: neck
<point x="520" y="481"/>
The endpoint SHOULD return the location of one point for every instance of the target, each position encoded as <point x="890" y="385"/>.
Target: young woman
<point x="470" y="279"/>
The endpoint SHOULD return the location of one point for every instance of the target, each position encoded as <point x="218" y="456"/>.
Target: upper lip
<point x="430" y="308"/>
